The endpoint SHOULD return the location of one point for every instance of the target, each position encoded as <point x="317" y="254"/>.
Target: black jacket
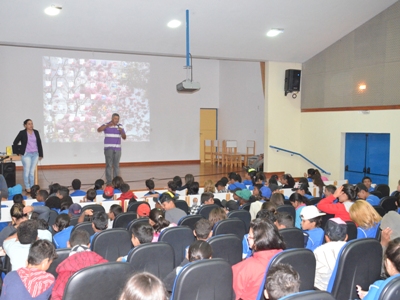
<point x="23" y="138"/>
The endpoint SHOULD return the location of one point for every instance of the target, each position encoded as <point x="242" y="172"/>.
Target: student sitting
<point x="329" y="190"/>
<point x="243" y="197"/>
<point x="198" y="250"/>
<point x="32" y="281"/>
<point x="172" y="213"/>
<point x="193" y="188"/>
<point x="142" y="233"/>
<point x="144" y="286"/>
<point x="235" y="182"/>
<point x="43" y="230"/>
<point x="158" y="222"/>
<point x="108" y="194"/>
<point x="368" y="183"/>
<point x="366" y="218"/>
<point x="126" y="193"/>
<point x="76" y="186"/>
<point x="206" y="199"/>
<point x="249" y="177"/>
<point x="363" y="193"/>
<point x="116" y="184"/>
<point x="327" y="254"/>
<point x="172" y="188"/>
<point x="299" y="203"/>
<point x="99" y="186"/>
<point x="42" y="195"/>
<point x="189" y="179"/>
<point x="115" y="210"/>
<point x="282" y="280"/>
<point x="310" y="223"/>
<point x="265" y="240"/>
<point x="209" y="186"/>
<point x="63" y="231"/>
<point x="392" y="268"/>
<point x="18" y="198"/>
<point x="346" y="195"/>
<point x="221" y="187"/>
<point x="283" y="220"/>
<point x="80" y="257"/>
<point x="303" y="190"/>
<point x="90" y="196"/>
<point x="99" y="221"/>
<point x="202" y="230"/>
<point x="287" y="181"/>
<point x="150" y="185"/>
<point x="17" y="245"/>
<point x="216" y="214"/>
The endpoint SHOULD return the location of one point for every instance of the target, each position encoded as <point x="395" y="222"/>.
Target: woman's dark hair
<point x="317" y="180"/>
<point x="144" y="286"/>
<point x="42" y="224"/>
<point x="304" y="181"/>
<point x="158" y="217"/>
<point x="199" y="250"/>
<point x="34" y="189"/>
<point x="26" y="121"/>
<point x="266" y="236"/>
<point x="272" y="181"/>
<point x="62" y="221"/>
<point x="117" y="182"/>
<point x="53" y="202"/>
<point x="350" y="191"/>
<point x="193" y="188"/>
<point x="258" y="186"/>
<point x="268" y="206"/>
<point x="98" y="184"/>
<point x="53" y="188"/>
<point x="299" y="198"/>
<point x="259" y="176"/>
<point x="252" y="175"/>
<point x="150" y="184"/>
<point x="189" y="179"/>
<point x="269" y="215"/>
<point x="274" y="176"/>
<point x="224" y="180"/>
<point x="290" y="180"/>
<point x="278" y="199"/>
<point x="178" y="181"/>
<point x="66" y="203"/>
<point x="239" y="178"/>
<point x="393" y="253"/>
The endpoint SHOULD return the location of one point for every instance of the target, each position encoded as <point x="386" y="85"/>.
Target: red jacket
<point x="338" y="209"/>
<point x="249" y="274"/>
<point x="127" y="196"/>
<point x="70" y="266"/>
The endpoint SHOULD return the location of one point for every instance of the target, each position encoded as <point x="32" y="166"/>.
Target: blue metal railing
<point x="302" y="156"/>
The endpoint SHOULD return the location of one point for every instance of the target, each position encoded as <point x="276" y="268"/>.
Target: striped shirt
<point x="112" y="137"/>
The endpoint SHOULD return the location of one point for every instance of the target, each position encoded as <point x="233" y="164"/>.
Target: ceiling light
<point x="53" y="10"/>
<point x="274" y="32"/>
<point x="362" y="86"/>
<point x="174" y="24"/>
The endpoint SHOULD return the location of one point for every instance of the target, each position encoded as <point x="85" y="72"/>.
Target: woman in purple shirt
<point x="31" y="151"/>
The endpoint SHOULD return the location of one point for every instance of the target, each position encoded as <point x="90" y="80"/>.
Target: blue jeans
<point x="29" y="162"/>
<point x="112" y="162"/>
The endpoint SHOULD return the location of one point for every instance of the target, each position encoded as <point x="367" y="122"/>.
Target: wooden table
<point x="15" y="157"/>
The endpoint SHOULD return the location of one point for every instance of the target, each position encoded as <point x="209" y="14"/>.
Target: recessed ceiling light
<point x="174" y="24"/>
<point x="274" y="32"/>
<point x="53" y="10"/>
<point x="362" y="87"/>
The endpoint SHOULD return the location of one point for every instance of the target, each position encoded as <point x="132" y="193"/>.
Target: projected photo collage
<point x="79" y="95"/>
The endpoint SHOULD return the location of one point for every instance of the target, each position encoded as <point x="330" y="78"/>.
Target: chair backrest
<point x="228" y="247"/>
<point x="108" y="280"/>
<point x="351" y="231"/>
<point x="112" y="243"/>
<point x="293" y="237"/>
<point x="391" y="289"/>
<point x="73" y="221"/>
<point x="122" y="220"/>
<point x="376" y="193"/>
<point x="181" y="204"/>
<point x="133" y="222"/>
<point x="309" y="295"/>
<point x="360" y="262"/>
<point x="384" y="189"/>
<point x="389" y="203"/>
<point x="288" y="209"/>
<point x="243" y="215"/>
<point x="52" y="217"/>
<point x="87" y="226"/>
<point x="155" y="258"/>
<point x="205" y="210"/>
<point x="234" y="226"/>
<point x="190" y="220"/>
<point x="246" y="207"/>
<point x="134" y="206"/>
<point x="380" y="210"/>
<point x="250" y="147"/>
<point x="179" y="238"/>
<point x="302" y="261"/>
<point x="325" y="219"/>
<point x="315" y="200"/>
<point x="94" y="207"/>
<point x="62" y="254"/>
<point x="209" y="279"/>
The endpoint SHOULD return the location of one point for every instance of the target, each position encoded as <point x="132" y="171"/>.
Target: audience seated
<point x="327" y="254"/>
<point x="282" y="280"/>
<point x="144" y="286"/>
<point x="216" y="214"/>
<point x="99" y="186"/>
<point x="126" y="193"/>
<point x="31" y="281"/>
<point x="99" y="221"/>
<point x="80" y="257"/>
<point x="117" y="183"/>
<point x="366" y="218"/>
<point x="90" y="195"/>
<point x="265" y="240"/>
<point x="42" y="195"/>
<point x="115" y="210"/>
<point x="158" y="222"/>
<point x="206" y="198"/>
<point x="368" y="183"/>
<point x="298" y="202"/>
<point x="310" y="223"/>
<point x="283" y="220"/>
<point x="346" y="194"/>
<point x="76" y="186"/>
<point x="172" y="213"/>
<point x="63" y="231"/>
<point x="141" y="233"/>
<point x="150" y="185"/>
<point x="363" y="193"/>
<point x="108" y="193"/>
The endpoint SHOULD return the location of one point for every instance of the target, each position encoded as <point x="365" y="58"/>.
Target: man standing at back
<point x="113" y="132"/>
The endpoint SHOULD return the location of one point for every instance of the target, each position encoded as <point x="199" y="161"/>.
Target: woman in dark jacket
<point x="31" y="151"/>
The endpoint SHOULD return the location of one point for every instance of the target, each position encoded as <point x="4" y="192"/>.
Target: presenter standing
<point x="31" y="151"/>
<point x="113" y="132"/>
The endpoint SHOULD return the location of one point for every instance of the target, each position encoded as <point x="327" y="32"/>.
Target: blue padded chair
<point x="293" y="237"/>
<point x="243" y="215"/>
<point x="388" y="203"/>
<point x="62" y="254"/>
<point x="112" y="243"/>
<point x="359" y="262"/>
<point x="140" y="220"/>
<point x="181" y="204"/>
<point x="309" y="295"/>
<point x="383" y="188"/>
<point x="288" y="209"/>
<point x="134" y="206"/>
<point x="122" y="220"/>
<point x="209" y="279"/>
<point x="87" y="226"/>
<point x="205" y="210"/>
<point x="228" y="247"/>
<point x="179" y="238"/>
<point x="190" y="220"/>
<point x="391" y="288"/>
<point x="233" y="225"/>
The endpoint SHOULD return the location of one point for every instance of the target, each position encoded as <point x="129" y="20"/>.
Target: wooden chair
<point x="250" y="151"/>
<point x="231" y="157"/>
<point x="208" y="151"/>
<point x="217" y="149"/>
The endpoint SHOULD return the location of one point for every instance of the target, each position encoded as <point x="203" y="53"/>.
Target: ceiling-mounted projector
<point x="188" y="86"/>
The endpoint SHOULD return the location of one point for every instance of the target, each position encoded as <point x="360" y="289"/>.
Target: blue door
<point x="367" y="154"/>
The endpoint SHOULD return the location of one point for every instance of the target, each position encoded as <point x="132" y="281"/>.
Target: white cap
<point x="310" y="212"/>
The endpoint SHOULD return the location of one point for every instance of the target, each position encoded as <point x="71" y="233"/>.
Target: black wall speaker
<point x="8" y="171"/>
<point x="292" y="81"/>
